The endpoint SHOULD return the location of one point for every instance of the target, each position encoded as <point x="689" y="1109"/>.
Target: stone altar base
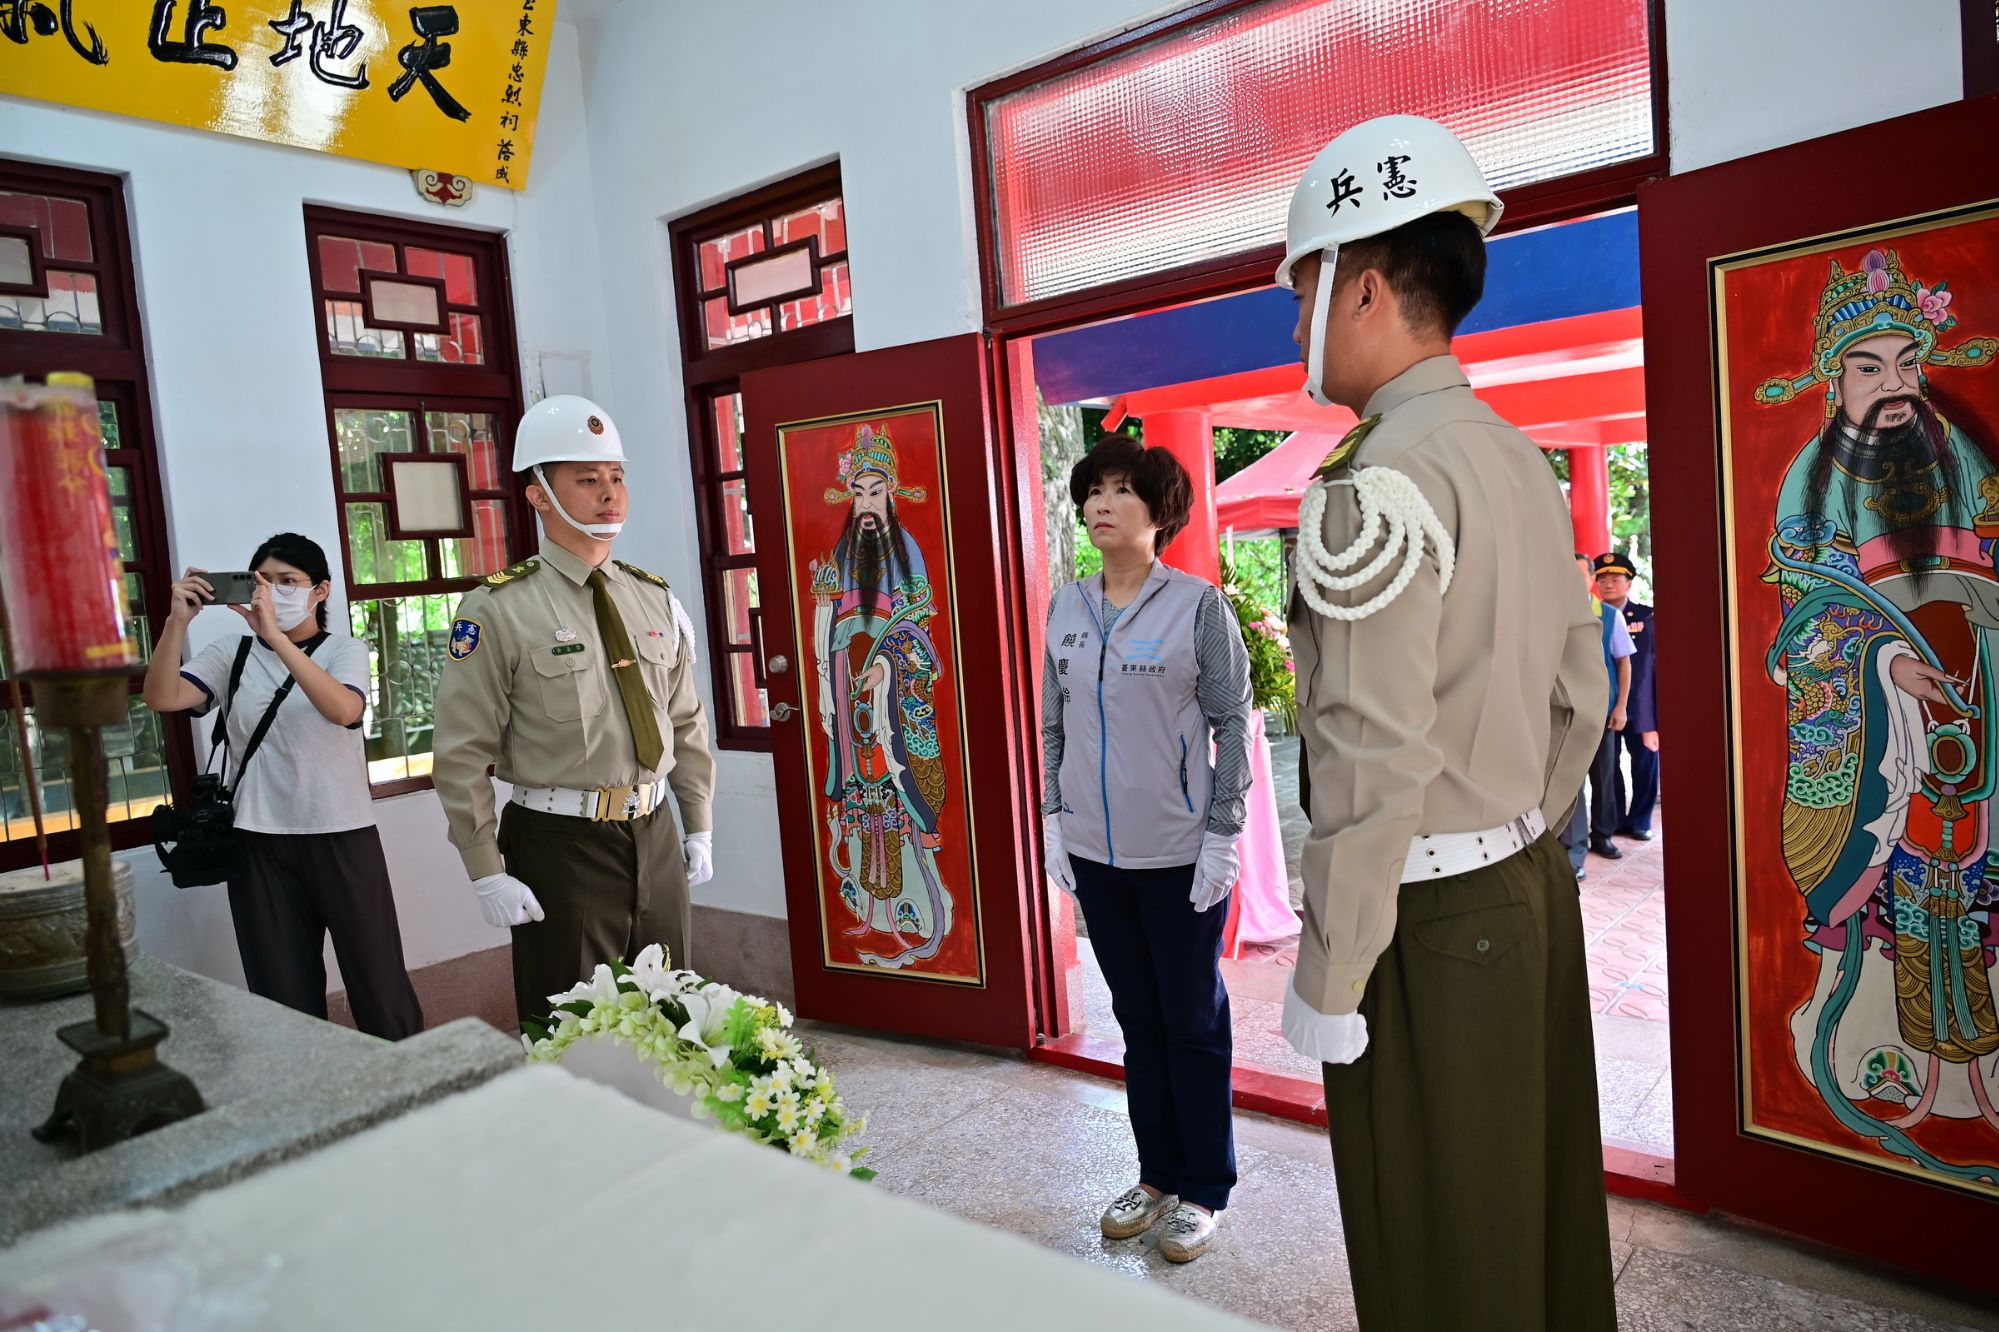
<point x="278" y="1084"/>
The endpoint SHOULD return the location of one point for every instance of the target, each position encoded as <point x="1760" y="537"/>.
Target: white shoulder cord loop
<point x="1392" y="509"/>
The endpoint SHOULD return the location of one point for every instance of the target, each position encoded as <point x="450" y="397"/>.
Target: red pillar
<point x="1589" y="499"/>
<point x="1190" y="437"/>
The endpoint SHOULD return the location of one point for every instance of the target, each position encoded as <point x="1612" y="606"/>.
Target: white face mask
<point x="292" y="605"/>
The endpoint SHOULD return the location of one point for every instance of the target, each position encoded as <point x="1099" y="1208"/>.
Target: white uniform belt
<point x="1440" y="855"/>
<point x="604" y="804"/>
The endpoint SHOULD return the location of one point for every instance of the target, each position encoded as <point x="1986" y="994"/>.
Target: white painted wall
<point x="654" y="113"/>
<point x="1745" y="78"/>
<point x="218" y="235"/>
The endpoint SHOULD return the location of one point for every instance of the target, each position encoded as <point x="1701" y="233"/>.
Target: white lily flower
<point x="601" y="988"/>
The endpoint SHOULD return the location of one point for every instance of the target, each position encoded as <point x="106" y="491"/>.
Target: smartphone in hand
<point x="232" y="589"/>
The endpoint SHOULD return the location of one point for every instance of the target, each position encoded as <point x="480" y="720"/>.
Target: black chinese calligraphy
<point x="505" y="152"/>
<point x="1344" y="191"/>
<point x="191" y="48"/>
<point x="510" y="120"/>
<point x="20" y="20"/>
<point x="422" y="59"/>
<point x="1394" y="184"/>
<point x="333" y="40"/>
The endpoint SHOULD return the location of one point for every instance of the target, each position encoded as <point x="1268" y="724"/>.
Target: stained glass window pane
<point x="341" y="261"/>
<point x="485" y="551"/>
<point x="348" y="333"/>
<point x="407" y="639"/>
<point x="135" y="754"/>
<point x="738" y="533"/>
<point x="122" y="517"/>
<point x="725" y="329"/>
<point x="780" y="275"/>
<point x="469" y="433"/>
<point x="833" y="299"/>
<point x="70" y="307"/>
<point x="365" y="432"/>
<point x="377" y="559"/>
<point x="428" y="496"/>
<point x="1187" y="148"/>
<point x="750" y="704"/>
<point x="17" y="265"/>
<point x="62" y="224"/>
<point x="728" y="413"/>
<point x="405" y="302"/>
<point x="464" y="345"/>
<point x="460" y="285"/>
<point x="716" y="254"/>
<point x="739" y="598"/>
<point x="107" y="423"/>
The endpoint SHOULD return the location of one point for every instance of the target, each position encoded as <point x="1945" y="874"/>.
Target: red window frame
<point x="710" y="374"/>
<point x="1532" y="205"/>
<point x="115" y="359"/>
<point x="491" y="387"/>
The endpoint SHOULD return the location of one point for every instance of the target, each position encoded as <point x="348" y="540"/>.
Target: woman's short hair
<point x="301" y="553"/>
<point x="1155" y="475"/>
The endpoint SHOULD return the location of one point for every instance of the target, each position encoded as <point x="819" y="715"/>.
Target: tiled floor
<point x="1037" y="1150"/>
<point x="1623" y="905"/>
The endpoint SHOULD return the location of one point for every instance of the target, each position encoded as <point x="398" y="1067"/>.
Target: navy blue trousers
<point x="1162" y="960"/>
<point x="1644" y="797"/>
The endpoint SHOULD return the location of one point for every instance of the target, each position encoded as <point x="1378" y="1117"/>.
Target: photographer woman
<point x="1145" y="667"/>
<point x="313" y="861"/>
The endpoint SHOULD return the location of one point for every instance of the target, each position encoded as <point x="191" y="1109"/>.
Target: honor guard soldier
<point x="1450" y="696"/>
<point x="1631" y="812"/>
<point x="571" y="676"/>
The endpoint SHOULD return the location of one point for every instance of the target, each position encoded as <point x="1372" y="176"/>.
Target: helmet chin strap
<point x="602" y="531"/>
<point x="1322" y="300"/>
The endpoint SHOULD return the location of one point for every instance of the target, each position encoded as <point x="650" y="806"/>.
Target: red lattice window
<point x="762" y="281"/>
<point x="1161" y="153"/>
<point x="416" y="348"/>
<point x="68" y="302"/>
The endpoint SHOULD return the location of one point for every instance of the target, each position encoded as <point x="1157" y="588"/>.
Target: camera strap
<point x="264" y="723"/>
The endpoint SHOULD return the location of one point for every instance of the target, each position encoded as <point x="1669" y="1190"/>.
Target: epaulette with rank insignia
<point x="1344" y="451"/>
<point x="512" y="572"/>
<point x="648" y="575"/>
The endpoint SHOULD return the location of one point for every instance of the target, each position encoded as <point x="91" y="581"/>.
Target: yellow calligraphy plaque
<point x="453" y="87"/>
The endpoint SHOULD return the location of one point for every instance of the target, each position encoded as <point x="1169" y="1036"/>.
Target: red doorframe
<point x="1770" y="199"/>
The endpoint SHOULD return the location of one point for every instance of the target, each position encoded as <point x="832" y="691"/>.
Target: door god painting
<point x="1860" y="437"/>
<point x="870" y="560"/>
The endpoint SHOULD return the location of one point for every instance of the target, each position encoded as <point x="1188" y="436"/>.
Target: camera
<point x="201" y="834"/>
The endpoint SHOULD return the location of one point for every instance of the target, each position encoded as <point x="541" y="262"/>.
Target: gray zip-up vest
<point x="1136" y="772"/>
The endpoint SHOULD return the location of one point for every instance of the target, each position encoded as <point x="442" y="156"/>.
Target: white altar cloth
<point x="540" y="1201"/>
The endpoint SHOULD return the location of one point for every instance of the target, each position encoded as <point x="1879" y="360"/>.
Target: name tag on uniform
<point x="566" y="648"/>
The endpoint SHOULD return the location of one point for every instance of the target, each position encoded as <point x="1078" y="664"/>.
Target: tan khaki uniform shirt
<point x="1443" y="712"/>
<point x="534" y="698"/>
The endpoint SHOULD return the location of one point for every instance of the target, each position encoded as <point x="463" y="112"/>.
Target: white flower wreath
<point x="733" y="1054"/>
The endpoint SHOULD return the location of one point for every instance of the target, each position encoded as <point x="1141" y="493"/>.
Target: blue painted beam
<point x="1579" y="268"/>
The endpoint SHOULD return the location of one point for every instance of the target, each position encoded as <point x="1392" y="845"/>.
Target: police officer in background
<point x="1632" y="813"/>
<point x="572" y="676"/>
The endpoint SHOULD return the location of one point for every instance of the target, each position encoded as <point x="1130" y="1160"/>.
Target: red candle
<point x="60" y="569"/>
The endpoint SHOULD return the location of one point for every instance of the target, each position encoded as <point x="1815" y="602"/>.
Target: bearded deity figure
<point x="877" y="677"/>
<point x="1883" y="555"/>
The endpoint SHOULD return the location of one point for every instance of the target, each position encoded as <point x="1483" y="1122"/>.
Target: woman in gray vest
<point x="1145" y="670"/>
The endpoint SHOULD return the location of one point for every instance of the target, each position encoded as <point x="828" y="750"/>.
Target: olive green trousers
<point x="1465" y="1140"/>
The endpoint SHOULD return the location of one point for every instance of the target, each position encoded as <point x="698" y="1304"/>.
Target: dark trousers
<point x="1466" y="1146"/>
<point x="606" y="891"/>
<point x="1162" y="960"/>
<point x="296" y="889"/>
<point x="1644" y="794"/>
<point x="1574" y="835"/>
<point x="1606" y="813"/>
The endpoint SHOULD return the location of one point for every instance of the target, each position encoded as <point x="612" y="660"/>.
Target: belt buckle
<point x="1519" y="827"/>
<point x="615" y="803"/>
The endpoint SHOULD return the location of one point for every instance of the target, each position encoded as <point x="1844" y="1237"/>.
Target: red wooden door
<point x="1819" y="323"/>
<point x="894" y="687"/>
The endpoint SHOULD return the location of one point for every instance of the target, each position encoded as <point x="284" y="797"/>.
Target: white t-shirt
<point x="310" y="775"/>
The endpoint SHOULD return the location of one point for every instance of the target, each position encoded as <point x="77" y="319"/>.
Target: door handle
<point x="783" y="712"/>
<point x="780" y="665"/>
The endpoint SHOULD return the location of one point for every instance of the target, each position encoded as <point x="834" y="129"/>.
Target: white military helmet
<point x="566" y="428"/>
<point x="1373" y="178"/>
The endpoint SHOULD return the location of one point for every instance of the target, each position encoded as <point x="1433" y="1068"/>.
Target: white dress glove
<point x="699" y="848"/>
<point x="1060" y="871"/>
<point x="1216" y="871"/>
<point x="505" y="901"/>
<point x="1330" y="1038"/>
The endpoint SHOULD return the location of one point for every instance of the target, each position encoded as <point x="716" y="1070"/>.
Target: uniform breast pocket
<point x="656" y="664"/>
<point x="569" y="687"/>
